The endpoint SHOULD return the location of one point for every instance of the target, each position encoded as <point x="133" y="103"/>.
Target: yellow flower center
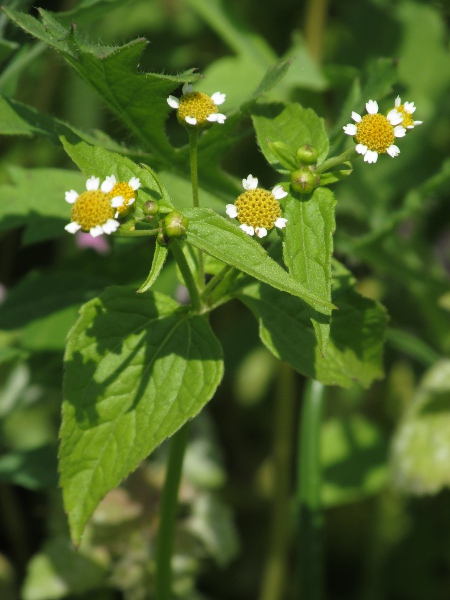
<point x="92" y="208"/>
<point x="407" y="117"/>
<point x="375" y="132"/>
<point x="258" y="208"/>
<point x="196" y="105"/>
<point x="125" y="190"/>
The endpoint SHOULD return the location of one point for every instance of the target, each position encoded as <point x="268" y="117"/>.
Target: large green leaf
<point x="355" y="347"/>
<point x="291" y="124"/>
<point x="137" y="367"/>
<point x="224" y="240"/>
<point x="421" y="445"/>
<point x="308" y="247"/>
<point x="138" y="99"/>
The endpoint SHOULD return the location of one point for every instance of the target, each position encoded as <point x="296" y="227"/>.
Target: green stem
<point x="186" y="273"/>
<point x="135" y="232"/>
<point x="336" y="160"/>
<point x="214" y="282"/>
<point x="168" y="513"/>
<point x="309" y="479"/>
<point x="275" y="570"/>
<point x="193" y="146"/>
<point x="316" y="12"/>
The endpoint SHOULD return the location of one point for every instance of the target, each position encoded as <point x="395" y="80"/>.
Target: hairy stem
<point x="193" y="141"/>
<point x="336" y="160"/>
<point x="186" y="273"/>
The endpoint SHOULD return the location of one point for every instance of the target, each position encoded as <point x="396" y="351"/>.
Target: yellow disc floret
<point x="258" y="208"/>
<point x="126" y="191"/>
<point x="92" y="208"/>
<point x="376" y="132"/>
<point x="408" y="121"/>
<point x="196" y="105"/>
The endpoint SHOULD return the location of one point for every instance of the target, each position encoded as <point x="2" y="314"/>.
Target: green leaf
<point x="159" y="258"/>
<point x="87" y="10"/>
<point x="93" y="160"/>
<point x="137" y="367"/>
<point x="354" y="460"/>
<point x="308" y="248"/>
<point x="420" y="449"/>
<point x="354" y="352"/>
<point x="330" y="177"/>
<point x="224" y="240"/>
<point x="36" y="200"/>
<point x="290" y="124"/>
<point x="138" y="99"/>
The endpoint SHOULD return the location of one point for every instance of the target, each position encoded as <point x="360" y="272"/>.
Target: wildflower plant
<point x="139" y="365"/>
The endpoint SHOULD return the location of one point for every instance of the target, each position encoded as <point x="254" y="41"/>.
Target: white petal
<point x="96" y="231"/>
<point x="399" y="131"/>
<point x="173" y="102"/>
<point x="356" y="117"/>
<point x="72" y="227"/>
<point x="418" y="122"/>
<point x="394" y="117"/>
<point x="361" y="149"/>
<point x="371" y="156"/>
<point x="116" y="214"/>
<point x="93" y="183"/>
<point x="191" y="120"/>
<point x="248" y="229"/>
<point x="71" y="196"/>
<point x="110" y="226"/>
<point x="393" y="150"/>
<point x="212" y="118"/>
<point x="278" y="192"/>
<point x="130" y="201"/>
<point x="218" y="98"/>
<point x="187" y="88"/>
<point x="409" y="107"/>
<point x="231" y="211"/>
<point x="220" y="118"/>
<point x="251" y="183"/>
<point x="108" y="184"/>
<point x="134" y="183"/>
<point x="350" y="129"/>
<point x="117" y="201"/>
<point x="280" y="223"/>
<point x="398" y="101"/>
<point x="372" y="107"/>
<point x="260" y="232"/>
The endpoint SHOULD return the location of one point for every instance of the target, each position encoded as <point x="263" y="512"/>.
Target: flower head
<point x="406" y="110"/>
<point x="121" y="193"/>
<point x="197" y="110"/>
<point x="257" y="209"/>
<point x="375" y="133"/>
<point x="92" y="210"/>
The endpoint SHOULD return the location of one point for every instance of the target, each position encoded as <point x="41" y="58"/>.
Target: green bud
<point x="304" y="180"/>
<point x="150" y="208"/>
<point x="161" y="238"/>
<point x="307" y="155"/>
<point x="174" y="224"/>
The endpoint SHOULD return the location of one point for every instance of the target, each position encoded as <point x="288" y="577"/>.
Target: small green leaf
<point x="285" y="156"/>
<point x="308" y="248"/>
<point x="330" y="177"/>
<point x="224" y="240"/>
<point x="137" y="367"/>
<point x="159" y="258"/>
<point x="354" y="352"/>
<point x="421" y="445"/>
<point x="290" y="124"/>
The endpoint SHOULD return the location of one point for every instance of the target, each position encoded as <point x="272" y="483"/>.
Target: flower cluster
<point x="96" y="210"/>
<point x="257" y="209"/>
<point x="375" y="133"/>
<point x="197" y="110"/>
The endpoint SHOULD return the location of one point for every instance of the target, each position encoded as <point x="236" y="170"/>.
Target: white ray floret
<point x="92" y="184"/>
<point x="71" y="196"/>
<point x="250" y="183"/>
<point x="278" y="192"/>
<point x="231" y="211"/>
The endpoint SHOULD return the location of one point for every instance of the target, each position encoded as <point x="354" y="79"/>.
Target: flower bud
<point x="307" y="155"/>
<point x="161" y="238"/>
<point x="174" y="224"/>
<point x="304" y="180"/>
<point x="150" y="208"/>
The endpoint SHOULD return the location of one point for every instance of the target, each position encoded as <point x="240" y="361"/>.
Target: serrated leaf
<point x="138" y="99"/>
<point x="357" y="330"/>
<point x="308" y="248"/>
<point x="159" y="258"/>
<point x="224" y="240"/>
<point x="421" y="445"/>
<point x="137" y="367"/>
<point x="290" y="124"/>
<point x="36" y="200"/>
<point x="93" y="160"/>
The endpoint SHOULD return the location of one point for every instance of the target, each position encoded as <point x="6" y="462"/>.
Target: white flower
<point x="122" y="194"/>
<point x="197" y="109"/>
<point x="406" y="110"/>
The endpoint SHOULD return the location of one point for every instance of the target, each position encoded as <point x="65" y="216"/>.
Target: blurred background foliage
<point x="386" y="450"/>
